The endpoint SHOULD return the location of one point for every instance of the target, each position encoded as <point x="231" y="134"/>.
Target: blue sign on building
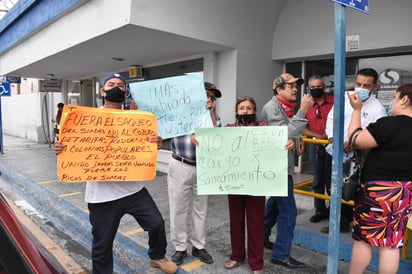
<point x="5" y="89"/>
<point x="13" y="79"/>
<point x="361" y="5"/>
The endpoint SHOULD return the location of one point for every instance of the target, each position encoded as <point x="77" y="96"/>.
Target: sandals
<point x="232" y="264"/>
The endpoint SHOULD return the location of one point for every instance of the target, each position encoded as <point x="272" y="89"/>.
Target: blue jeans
<point x="322" y="165"/>
<point x="281" y="210"/>
<point x="105" y="219"/>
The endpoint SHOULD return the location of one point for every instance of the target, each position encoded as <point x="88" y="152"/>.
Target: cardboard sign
<point x="106" y="145"/>
<point x="179" y="103"/>
<point x="242" y="160"/>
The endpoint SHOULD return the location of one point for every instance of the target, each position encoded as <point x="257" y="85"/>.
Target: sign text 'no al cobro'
<point x="242" y="160"/>
<point x="179" y="103"/>
<point x="106" y="145"/>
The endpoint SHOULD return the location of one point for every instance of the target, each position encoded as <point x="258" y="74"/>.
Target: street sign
<point x="5" y="89"/>
<point x="13" y="79"/>
<point x="361" y="5"/>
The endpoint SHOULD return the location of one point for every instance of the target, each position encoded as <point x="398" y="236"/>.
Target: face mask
<point x="316" y="92"/>
<point x="363" y="93"/>
<point x="390" y="108"/>
<point x="245" y="119"/>
<point x="115" y="95"/>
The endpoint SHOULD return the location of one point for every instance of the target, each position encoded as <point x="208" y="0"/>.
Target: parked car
<point x="20" y="251"/>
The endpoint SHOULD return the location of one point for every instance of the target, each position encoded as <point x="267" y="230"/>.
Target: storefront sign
<point x="389" y="81"/>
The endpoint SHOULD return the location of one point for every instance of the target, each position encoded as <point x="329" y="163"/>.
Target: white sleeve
<point x="329" y="124"/>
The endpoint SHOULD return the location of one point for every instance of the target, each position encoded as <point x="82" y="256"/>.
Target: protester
<point x="182" y="189"/>
<point x="372" y="110"/>
<point x="383" y="204"/>
<point x="251" y="206"/>
<point x="109" y="201"/>
<point x="58" y="118"/>
<point x="315" y="128"/>
<point x="279" y="111"/>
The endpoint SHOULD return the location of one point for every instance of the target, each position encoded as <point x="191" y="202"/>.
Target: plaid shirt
<point x="183" y="147"/>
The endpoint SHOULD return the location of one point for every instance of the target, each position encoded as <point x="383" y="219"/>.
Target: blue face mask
<point x="390" y="108"/>
<point x="363" y="93"/>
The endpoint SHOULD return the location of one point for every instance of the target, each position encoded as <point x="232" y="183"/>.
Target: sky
<point x="6" y="5"/>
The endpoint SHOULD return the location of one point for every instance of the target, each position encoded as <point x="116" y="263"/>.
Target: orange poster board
<point x="107" y="145"/>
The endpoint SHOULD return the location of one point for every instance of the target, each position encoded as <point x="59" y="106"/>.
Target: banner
<point x="106" y="145"/>
<point x="179" y="103"/>
<point x="242" y="160"/>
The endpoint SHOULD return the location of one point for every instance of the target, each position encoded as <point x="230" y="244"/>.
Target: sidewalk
<point x="29" y="172"/>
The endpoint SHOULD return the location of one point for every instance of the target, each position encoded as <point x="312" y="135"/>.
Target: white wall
<point x="24" y="115"/>
<point x="306" y="29"/>
<point x="246" y="27"/>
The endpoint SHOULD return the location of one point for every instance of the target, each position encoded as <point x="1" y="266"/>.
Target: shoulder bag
<point x="351" y="180"/>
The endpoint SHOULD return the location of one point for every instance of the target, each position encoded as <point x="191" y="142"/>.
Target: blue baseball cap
<point x="113" y="75"/>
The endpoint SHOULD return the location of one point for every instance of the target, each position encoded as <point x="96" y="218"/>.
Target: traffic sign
<point x="361" y="5"/>
<point x="5" y="89"/>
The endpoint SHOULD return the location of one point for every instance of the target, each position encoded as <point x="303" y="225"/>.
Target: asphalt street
<point x="29" y="174"/>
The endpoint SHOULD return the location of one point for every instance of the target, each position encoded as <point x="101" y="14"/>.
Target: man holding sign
<point x="109" y="201"/>
<point x="279" y="111"/>
<point x="182" y="188"/>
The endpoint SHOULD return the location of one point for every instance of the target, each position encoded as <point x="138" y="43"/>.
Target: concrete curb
<point x="129" y="257"/>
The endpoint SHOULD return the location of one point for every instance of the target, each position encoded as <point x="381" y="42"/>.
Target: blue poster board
<point x="179" y="103"/>
<point x="361" y="5"/>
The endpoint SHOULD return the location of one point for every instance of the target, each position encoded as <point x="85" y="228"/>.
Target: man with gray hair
<point x="317" y="116"/>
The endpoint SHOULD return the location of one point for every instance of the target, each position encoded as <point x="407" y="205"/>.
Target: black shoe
<point x="343" y="229"/>
<point x="268" y="244"/>
<point x="203" y="255"/>
<point x="179" y="257"/>
<point x="317" y="218"/>
<point x="290" y="263"/>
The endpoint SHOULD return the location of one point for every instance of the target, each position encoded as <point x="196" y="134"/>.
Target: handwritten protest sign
<point x="107" y="145"/>
<point x="179" y="103"/>
<point x="242" y="160"/>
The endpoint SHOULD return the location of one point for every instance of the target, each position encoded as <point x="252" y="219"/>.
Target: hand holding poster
<point x="179" y="103"/>
<point x="107" y="145"/>
<point x="242" y="160"/>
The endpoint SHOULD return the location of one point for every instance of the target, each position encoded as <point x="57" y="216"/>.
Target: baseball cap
<point x="286" y="78"/>
<point x="111" y="76"/>
<point x="210" y="86"/>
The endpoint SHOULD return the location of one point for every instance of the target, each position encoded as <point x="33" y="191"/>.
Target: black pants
<point x="105" y="220"/>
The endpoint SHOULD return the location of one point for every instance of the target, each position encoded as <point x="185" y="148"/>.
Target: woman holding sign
<point x="251" y="206"/>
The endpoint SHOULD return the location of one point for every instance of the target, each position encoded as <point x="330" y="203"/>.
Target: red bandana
<point x="287" y="107"/>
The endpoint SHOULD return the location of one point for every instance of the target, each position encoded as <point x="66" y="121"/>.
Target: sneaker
<point x="268" y="244"/>
<point x="165" y="265"/>
<point x="203" y="255"/>
<point x="179" y="257"/>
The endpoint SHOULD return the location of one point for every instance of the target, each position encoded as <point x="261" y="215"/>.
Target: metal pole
<point x="1" y="130"/>
<point x="337" y="157"/>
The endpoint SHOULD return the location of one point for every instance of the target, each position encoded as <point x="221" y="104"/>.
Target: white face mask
<point x="363" y="93"/>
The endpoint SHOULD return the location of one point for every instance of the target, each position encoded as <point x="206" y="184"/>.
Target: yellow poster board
<point x="409" y="225"/>
<point x="107" y="145"/>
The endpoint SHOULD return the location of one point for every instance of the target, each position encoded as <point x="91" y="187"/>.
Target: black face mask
<point x="316" y="92"/>
<point x="115" y="95"/>
<point x="245" y="119"/>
